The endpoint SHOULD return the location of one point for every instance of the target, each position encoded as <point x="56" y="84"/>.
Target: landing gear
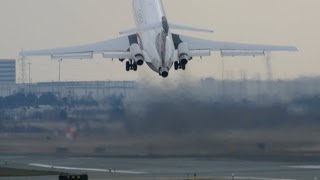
<point x="127" y="66"/>
<point x="176" y="65"/>
<point x="131" y="65"/>
<point x="179" y="65"/>
<point x="183" y="66"/>
<point x="135" y="66"/>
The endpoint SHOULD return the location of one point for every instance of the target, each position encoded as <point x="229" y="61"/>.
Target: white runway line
<point x="85" y="169"/>
<point x="305" y="167"/>
<point x="256" y="178"/>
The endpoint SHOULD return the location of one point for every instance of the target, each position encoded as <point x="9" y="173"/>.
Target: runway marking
<point x="305" y="167"/>
<point x="256" y="178"/>
<point x="85" y="169"/>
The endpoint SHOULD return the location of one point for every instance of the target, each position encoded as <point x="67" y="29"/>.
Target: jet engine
<point x="183" y="51"/>
<point x="136" y="53"/>
<point x="164" y="72"/>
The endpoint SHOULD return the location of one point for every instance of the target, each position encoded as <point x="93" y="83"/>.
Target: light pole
<point x="29" y="72"/>
<point x="60" y="69"/>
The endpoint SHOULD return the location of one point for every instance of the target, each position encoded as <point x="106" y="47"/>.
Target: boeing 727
<point x="152" y="42"/>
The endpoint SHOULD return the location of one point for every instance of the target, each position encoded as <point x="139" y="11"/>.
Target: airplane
<point x="152" y="42"/>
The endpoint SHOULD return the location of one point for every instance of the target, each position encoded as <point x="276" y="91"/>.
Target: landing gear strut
<point x="131" y="65"/>
<point x="179" y="65"/>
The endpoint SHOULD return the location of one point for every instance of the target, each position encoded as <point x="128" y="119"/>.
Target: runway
<point x="164" y="168"/>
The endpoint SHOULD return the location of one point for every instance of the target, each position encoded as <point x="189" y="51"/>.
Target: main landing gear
<point x="131" y="65"/>
<point x="179" y="65"/>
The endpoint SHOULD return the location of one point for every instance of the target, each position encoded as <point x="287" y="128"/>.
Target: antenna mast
<point x="23" y="69"/>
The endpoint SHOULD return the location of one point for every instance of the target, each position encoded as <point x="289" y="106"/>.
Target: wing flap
<point x="233" y="53"/>
<point x="199" y="53"/>
<point x="72" y="56"/>
<point x="119" y="55"/>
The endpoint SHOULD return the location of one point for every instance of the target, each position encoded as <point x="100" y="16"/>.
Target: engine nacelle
<point x="183" y="51"/>
<point x="137" y="54"/>
<point x="164" y="72"/>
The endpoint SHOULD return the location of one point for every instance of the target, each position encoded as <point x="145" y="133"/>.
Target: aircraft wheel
<point x="135" y="67"/>
<point x="176" y="65"/>
<point x="127" y="66"/>
<point x="183" y="66"/>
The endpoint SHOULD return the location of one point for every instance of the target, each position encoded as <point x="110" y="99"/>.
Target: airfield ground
<point x="14" y="172"/>
<point x="261" y="142"/>
<point x="164" y="168"/>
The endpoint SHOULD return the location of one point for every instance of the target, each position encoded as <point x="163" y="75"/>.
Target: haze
<point x="35" y="24"/>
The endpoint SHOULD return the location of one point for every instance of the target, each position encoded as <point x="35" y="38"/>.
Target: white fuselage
<point x="157" y="45"/>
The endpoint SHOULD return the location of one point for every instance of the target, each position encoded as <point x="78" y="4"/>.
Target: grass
<point x="12" y="172"/>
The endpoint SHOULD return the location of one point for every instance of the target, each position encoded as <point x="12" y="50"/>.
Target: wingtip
<point x="293" y="49"/>
<point x="22" y="53"/>
<point x="206" y="30"/>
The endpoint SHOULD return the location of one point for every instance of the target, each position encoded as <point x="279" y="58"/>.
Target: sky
<point x="37" y="24"/>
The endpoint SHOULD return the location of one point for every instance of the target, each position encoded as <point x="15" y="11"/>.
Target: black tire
<point x="176" y="65"/>
<point x="183" y="66"/>
<point x="135" y="67"/>
<point x="127" y="66"/>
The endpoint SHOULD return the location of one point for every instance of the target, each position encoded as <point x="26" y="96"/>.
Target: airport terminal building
<point x="7" y="71"/>
<point x="95" y="89"/>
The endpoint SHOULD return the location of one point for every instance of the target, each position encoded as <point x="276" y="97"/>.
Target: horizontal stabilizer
<point x="188" y="28"/>
<point x="141" y="28"/>
<point x="159" y="25"/>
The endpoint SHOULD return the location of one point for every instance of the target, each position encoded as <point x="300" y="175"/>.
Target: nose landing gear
<point x="131" y="65"/>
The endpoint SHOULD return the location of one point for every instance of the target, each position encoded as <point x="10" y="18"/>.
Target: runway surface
<point x="164" y="168"/>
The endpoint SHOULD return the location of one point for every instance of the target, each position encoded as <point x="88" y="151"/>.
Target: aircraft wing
<point x="115" y="48"/>
<point x="227" y="48"/>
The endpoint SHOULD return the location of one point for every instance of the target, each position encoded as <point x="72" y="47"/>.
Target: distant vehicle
<point x="153" y="43"/>
<point x="73" y="177"/>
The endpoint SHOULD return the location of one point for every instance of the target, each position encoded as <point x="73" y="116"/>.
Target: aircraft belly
<point x="148" y="40"/>
<point x="159" y="49"/>
<point x="153" y="67"/>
